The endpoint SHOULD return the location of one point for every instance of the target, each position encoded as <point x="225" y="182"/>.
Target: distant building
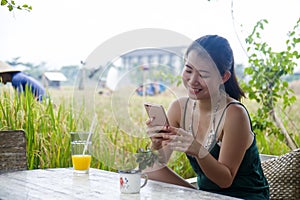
<point x="170" y="56"/>
<point x="53" y="79"/>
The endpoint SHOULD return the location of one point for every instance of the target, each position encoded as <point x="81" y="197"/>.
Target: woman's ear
<point x="226" y="76"/>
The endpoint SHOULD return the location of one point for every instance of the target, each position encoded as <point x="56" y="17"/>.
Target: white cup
<point x="130" y="181"/>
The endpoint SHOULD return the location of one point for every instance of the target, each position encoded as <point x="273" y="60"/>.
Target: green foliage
<point x="11" y="5"/>
<point x="181" y="165"/>
<point x="46" y="128"/>
<point x="266" y="70"/>
<point x="145" y="158"/>
<point x="172" y="79"/>
<point x="35" y="70"/>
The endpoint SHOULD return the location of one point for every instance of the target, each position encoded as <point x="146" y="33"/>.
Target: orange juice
<point x="81" y="162"/>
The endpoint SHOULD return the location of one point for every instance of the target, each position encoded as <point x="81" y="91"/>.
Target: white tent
<point x="112" y="78"/>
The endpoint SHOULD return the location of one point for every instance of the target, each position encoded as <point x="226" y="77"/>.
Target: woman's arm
<point x="174" y="117"/>
<point x="161" y="172"/>
<point x="167" y="175"/>
<point x="237" y="138"/>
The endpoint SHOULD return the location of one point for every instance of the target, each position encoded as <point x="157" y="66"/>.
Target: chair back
<point x="264" y="157"/>
<point x="12" y="151"/>
<point x="283" y="175"/>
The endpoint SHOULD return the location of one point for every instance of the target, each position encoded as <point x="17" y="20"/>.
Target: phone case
<point x="157" y="112"/>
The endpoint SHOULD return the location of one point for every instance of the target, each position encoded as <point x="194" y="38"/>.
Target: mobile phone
<point x="157" y="113"/>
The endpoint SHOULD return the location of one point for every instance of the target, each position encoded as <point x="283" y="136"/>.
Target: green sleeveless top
<point x="249" y="182"/>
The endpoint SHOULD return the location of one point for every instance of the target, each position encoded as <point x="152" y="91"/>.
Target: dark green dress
<point x="249" y="182"/>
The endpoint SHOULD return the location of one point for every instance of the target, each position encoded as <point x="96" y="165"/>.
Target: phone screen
<point x="157" y="112"/>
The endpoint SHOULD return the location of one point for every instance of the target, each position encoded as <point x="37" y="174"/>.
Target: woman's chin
<point x="197" y="96"/>
<point x="193" y="96"/>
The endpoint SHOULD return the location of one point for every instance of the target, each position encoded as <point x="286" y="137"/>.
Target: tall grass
<point x="116" y="138"/>
<point x="46" y="128"/>
<point x="273" y="143"/>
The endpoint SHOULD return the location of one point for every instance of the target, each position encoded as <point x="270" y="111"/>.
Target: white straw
<point x="90" y="133"/>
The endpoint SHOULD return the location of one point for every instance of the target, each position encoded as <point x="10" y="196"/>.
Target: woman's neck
<point x="204" y="105"/>
<point x="216" y="102"/>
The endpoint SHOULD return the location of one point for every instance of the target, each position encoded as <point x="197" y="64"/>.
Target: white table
<point x="60" y="183"/>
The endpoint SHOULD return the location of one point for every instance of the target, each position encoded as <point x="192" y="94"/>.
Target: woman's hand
<point x="157" y="134"/>
<point x="180" y="140"/>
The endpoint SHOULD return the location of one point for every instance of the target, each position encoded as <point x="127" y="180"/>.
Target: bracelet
<point x="203" y="152"/>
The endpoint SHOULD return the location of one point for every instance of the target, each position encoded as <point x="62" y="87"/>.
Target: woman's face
<point x="200" y="76"/>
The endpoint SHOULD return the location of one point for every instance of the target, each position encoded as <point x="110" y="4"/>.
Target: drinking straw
<point x="90" y="133"/>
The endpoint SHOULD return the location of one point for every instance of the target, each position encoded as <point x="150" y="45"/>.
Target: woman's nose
<point x="195" y="79"/>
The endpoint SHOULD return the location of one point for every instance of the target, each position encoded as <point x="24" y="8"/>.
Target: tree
<point x="11" y="5"/>
<point x="266" y="85"/>
<point x="239" y="71"/>
<point x="35" y="70"/>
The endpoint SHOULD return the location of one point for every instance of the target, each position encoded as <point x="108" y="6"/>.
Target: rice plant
<point x="48" y="123"/>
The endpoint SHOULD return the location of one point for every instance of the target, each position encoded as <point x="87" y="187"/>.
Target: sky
<point x="66" y="32"/>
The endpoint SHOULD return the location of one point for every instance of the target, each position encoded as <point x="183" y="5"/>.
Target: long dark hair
<point x="218" y="48"/>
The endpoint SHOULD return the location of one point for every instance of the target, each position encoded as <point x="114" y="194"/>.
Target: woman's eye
<point x="204" y="76"/>
<point x="188" y="69"/>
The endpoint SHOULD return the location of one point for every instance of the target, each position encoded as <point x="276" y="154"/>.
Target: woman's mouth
<point x="195" y="90"/>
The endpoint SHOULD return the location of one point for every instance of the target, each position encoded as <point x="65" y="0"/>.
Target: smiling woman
<point x="204" y="126"/>
<point x="201" y="74"/>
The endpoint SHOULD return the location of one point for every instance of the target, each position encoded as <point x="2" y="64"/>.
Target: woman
<point x="211" y="126"/>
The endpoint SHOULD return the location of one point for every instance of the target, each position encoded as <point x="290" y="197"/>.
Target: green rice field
<point x="120" y="126"/>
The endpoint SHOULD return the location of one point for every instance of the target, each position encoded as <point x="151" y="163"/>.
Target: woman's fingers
<point x="182" y="136"/>
<point x="175" y="145"/>
<point x="148" y="122"/>
<point x="156" y="129"/>
<point x="179" y="140"/>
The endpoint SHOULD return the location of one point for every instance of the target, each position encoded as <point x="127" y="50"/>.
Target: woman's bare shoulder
<point x="176" y="110"/>
<point x="237" y="110"/>
<point x="179" y="102"/>
<point x="237" y="114"/>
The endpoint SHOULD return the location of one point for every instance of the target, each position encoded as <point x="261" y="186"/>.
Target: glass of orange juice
<point x="81" y="149"/>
